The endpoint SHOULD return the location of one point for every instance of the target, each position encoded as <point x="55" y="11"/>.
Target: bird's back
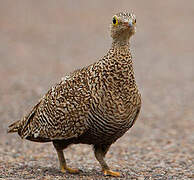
<point x="60" y="113"/>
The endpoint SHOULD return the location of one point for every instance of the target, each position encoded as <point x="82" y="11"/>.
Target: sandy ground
<point x="41" y="41"/>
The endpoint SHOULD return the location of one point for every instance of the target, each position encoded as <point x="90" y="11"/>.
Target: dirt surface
<point x="42" y="41"/>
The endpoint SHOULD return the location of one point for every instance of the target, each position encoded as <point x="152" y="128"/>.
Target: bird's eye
<point x="135" y="21"/>
<point x="114" y="20"/>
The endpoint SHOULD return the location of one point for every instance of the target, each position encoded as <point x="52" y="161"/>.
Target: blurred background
<point x="42" y="41"/>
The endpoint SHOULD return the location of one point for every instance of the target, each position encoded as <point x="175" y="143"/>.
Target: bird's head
<point x="123" y="26"/>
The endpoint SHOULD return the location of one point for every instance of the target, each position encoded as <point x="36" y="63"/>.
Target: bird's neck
<point x="120" y="43"/>
<point x="119" y="62"/>
<point x="121" y="49"/>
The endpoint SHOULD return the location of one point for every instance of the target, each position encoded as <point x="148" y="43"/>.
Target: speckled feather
<point x="95" y="104"/>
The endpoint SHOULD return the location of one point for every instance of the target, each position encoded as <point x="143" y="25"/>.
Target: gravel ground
<point x="41" y="42"/>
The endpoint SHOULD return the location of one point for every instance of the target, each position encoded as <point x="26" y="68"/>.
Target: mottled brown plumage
<point x="94" y="105"/>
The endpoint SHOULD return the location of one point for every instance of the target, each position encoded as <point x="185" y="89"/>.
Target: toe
<point x="111" y="173"/>
<point x="69" y="170"/>
<point x="72" y="171"/>
<point x="63" y="170"/>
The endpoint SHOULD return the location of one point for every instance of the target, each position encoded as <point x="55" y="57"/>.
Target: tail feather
<point x="21" y="126"/>
<point x="14" y="127"/>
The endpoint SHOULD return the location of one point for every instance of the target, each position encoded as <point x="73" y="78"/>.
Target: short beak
<point x="128" y="24"/>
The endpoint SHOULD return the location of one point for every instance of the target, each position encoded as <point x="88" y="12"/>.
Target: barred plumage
<point x="94" y="105"/>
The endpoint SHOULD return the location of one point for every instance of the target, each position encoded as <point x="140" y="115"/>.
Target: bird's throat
<point x="120" y="43"/>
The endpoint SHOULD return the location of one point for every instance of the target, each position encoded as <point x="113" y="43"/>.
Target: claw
<point x="69" y="170"/>
<point x="111" y="173"/>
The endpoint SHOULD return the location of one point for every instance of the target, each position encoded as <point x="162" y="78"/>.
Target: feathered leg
<point x="100" y="152"/>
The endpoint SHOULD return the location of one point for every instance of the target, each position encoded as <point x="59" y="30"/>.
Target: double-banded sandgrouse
<point x="94" y="105"/>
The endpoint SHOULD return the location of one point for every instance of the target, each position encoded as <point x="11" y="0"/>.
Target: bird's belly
<point x="99" y="136"/>
<point x="106" y="129"/>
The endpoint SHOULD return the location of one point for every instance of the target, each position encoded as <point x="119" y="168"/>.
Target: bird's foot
<point x="111" y="173"/>
<point x="69" y="170"/>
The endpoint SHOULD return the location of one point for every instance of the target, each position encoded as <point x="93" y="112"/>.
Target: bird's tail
<point x="14" y="127"/>
<point x="21" y="126"/>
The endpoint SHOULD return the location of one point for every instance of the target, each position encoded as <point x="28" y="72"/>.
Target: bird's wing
<point x="61" y="113"/>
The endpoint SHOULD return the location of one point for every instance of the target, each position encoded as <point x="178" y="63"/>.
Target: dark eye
<point x="135" y="20"/>
<point x="114" y="21"/>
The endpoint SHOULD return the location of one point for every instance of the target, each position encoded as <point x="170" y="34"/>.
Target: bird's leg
<point x="100" y="152"/>
<point x="63" y="166"/>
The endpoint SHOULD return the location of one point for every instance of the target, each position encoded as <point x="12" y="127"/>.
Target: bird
<point x="94" y="105"/>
